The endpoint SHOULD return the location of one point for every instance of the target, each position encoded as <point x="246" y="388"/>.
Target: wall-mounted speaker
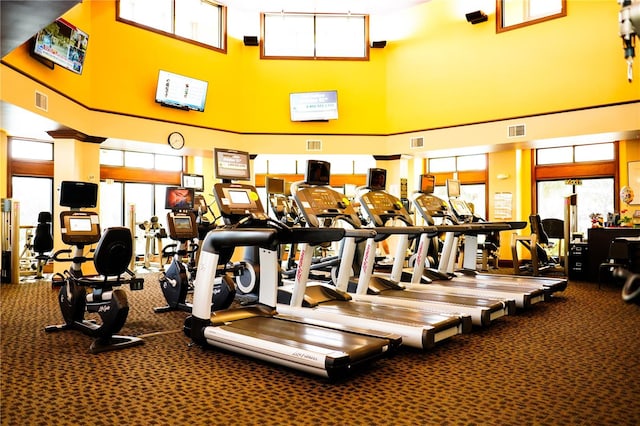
<point x="251" y="41"/>
<point x="378" y="44"/>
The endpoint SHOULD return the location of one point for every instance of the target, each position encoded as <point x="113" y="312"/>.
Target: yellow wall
<point x="444" y="73"/>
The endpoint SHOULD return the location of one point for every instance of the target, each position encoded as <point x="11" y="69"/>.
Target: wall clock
<point x="176" y="140"/>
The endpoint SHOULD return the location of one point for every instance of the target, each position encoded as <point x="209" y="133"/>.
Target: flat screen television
<point x="314" y="106"/>
<point x="179" y="198"/>
<point x="377" y="179"/>
<point x="274" y="185"/>
<point x="63" y="44"/>
<point x="178" y="91"/>
<point x="427" y="184"/>
<point x="453" y="188"/>
<point x="77" y="195"/>
<point x="231" y="164"/>
<point x="318" y="173"/>
<point x="190" y="180"/>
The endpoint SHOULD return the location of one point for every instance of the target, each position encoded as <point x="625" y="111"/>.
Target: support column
<point x="77" y="158"/>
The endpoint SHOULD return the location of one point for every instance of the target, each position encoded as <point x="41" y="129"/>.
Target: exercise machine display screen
<point x="79" y="227"/>
<point x="79" y="224"/>
<point x="377" y="179"/>
<point x="178" y="198"/>
<point x="239" y="197"/>
<point x="78" y="195"/>
<point x="182" y="225"/>
<point x="318" y="173"/>
<point x="427" y="184"/>
<point x="382" y="206"/>
<point x="317" y="202"/>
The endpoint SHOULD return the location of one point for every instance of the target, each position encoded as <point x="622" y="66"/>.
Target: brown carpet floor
<point x="572" y="361"/>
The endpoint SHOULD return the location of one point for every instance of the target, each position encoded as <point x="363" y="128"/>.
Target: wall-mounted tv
<point x="377" y="179"/>
<point x="77" y="195"/>
<point x="178" y="91"/>
<point x="231" y="164"/>
<point x="314" y="106"/>
<point x="63" y="44"/>
<point x="190" y="180"/>
<point x="178" y="198"/>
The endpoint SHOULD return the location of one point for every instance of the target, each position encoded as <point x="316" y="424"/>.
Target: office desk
<point x="599" y="240"/>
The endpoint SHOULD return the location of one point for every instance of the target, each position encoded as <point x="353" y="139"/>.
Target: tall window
<point x="588" y="171"/>
<point x="328" y="36"/>
<point x="471" y="171"/>
<point x="512" y="14"/>
<point x="199" y="21"/>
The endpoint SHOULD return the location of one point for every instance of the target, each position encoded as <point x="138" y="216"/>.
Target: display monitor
<point x="190" y="180"/>
<point x="179" y="198"/>
<point x="231" y="164"/>
<point x="314" y="106"/>
<point x="274" y="185"/>
<point x="178" y="91"/>
<point x="63" y="44"/>
<point x="453" y="188"/>
<point x="427" y="184"/>
<point x="79" y="224"/>
<point x="78" y="195"/>
<point x="318" y="173"/>
<point x="377" y="179"/>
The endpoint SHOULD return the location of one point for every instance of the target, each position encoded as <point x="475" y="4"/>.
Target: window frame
<point x="263" y="55"/>
<point x="223" y="27"/>
<point x="500" y="28"/>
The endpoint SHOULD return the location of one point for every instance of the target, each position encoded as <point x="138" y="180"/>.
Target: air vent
<point x="314" y="145"/>
<point x="516" y="131"/>
<point x="417" y="142"/>
<point x="42" y="101"/>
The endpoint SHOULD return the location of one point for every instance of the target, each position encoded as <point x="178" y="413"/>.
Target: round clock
<point x="176" y="140"/>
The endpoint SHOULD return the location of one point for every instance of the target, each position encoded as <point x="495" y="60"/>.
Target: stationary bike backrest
<point x="114" y="251"/>
<point x="42" y="240"/>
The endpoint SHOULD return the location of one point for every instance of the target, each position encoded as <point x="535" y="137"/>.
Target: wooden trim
<point x="76" y="135"/>
<point x="570" y="171"/>
<point x="31" y="168"/>
<point x="123" y="174"/>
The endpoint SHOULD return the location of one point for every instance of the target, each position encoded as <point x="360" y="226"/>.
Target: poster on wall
<point x="502" y="205"/>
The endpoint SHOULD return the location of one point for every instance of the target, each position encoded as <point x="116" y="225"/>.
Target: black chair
<point x="554" y="228"/>
<point x="42" y="242"/>
<point x="536" y="244"/>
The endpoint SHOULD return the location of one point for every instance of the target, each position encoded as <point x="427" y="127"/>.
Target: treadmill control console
<point x="237" y="201"/>
<point x="382" y="206"/>
<point x="317" y="202"/>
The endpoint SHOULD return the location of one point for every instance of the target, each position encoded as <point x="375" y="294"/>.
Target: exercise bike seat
<point x="111" y="259"/>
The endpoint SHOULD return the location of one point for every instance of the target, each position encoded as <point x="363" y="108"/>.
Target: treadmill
<point x="259" y="331"/>
<point x="382" y="207"/>
<point x="431" y="207"/>
<point x="419" y="328"/>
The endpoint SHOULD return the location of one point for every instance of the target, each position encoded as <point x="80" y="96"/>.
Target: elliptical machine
<point x="177" y="281"/>
<point x="111" y="259"/>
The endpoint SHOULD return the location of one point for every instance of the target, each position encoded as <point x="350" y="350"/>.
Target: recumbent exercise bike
<point x="111" y="258"/>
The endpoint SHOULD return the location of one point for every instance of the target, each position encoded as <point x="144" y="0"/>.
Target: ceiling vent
<point x="417" y="142"/>
<point x="42" y="101"/>
<point x="314" y="145"/>
<point x="516" y="131"/>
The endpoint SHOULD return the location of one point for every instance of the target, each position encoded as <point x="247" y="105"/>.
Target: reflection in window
<point x="513" y="14"/>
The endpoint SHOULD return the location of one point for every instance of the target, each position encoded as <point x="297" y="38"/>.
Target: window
<point x="585" y="170"/>
<point x="577" y="154"/>
<point x="330" y="36"/>
<point x="142" y="160"/>
<point x="512" y="14"/>
<point x="200" y="21"/>
<point x="471" y="171"/>
<point x="31" y="150"/>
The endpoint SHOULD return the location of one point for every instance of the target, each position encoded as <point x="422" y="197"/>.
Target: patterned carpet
<point x="570" y="361"/>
